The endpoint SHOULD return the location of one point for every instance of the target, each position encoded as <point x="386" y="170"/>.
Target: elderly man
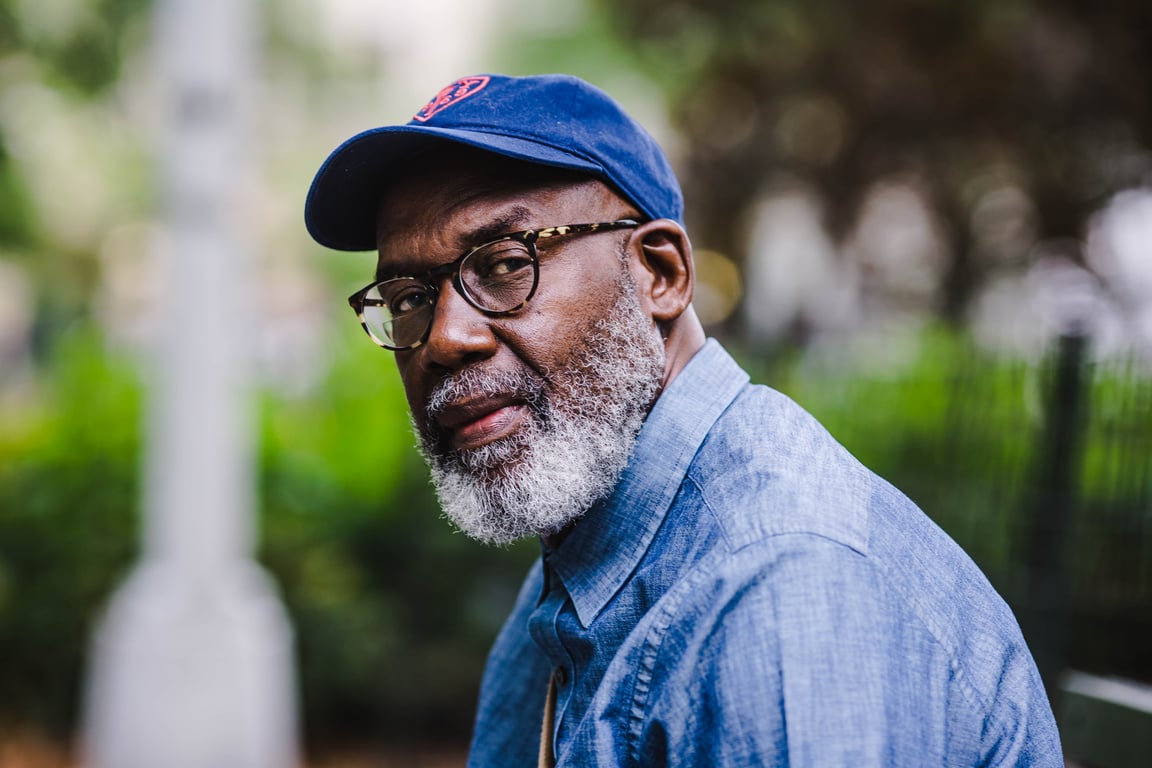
<point x="721" y="583"/>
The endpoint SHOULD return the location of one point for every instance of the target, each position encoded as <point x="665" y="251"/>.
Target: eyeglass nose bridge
<point x="454" y="271"/>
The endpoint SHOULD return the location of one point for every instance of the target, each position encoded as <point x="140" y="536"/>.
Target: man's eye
<point x="506" y="265"/>
<point x="500" y="261"/>
<point x="409" y="300"/>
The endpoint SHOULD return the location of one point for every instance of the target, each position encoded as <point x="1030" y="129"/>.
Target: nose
<point x="460" y="334"/>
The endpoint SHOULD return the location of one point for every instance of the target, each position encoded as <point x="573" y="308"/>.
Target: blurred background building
<point x="929" y="222"/>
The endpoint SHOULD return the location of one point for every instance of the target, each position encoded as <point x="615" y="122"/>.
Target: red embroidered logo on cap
<point x="461" y="89"/>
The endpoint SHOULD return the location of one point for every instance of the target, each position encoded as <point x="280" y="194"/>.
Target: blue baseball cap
<point x="552" y="120"/>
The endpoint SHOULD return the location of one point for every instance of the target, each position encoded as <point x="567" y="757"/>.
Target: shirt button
<point x="561" y="675"/>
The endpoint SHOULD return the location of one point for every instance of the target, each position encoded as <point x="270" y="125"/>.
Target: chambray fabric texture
<point x="751" y="595"/>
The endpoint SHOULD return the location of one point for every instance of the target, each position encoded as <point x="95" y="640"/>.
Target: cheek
<point x="414" y="389"/>
<point x="551" y="331"/>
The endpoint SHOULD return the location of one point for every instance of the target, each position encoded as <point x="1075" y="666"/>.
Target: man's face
<point x="529" y="419"/>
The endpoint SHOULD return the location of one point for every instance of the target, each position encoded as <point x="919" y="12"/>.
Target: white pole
<point x="192" y="667"/>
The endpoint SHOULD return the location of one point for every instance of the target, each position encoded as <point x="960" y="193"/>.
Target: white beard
<point x="572" y="449"/>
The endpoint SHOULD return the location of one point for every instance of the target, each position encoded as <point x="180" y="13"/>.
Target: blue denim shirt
<point x="751" y="595"/>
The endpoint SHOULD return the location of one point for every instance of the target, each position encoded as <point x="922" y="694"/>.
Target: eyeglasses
<point x="498" y="278"/>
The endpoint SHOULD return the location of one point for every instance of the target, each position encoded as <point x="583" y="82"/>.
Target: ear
<point x="662" y="267"/>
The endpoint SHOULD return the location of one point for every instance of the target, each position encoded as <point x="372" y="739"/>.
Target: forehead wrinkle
<point x="431" y="199"/>
<point x="435" y="199"/>
<point x="443" y="210"/>
<point x="505" y="222"/>
<point x="514" y="219"/>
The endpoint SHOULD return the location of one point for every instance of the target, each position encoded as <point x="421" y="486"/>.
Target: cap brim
<point x="340" y="211"/>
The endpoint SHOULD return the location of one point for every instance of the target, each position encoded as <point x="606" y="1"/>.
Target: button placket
<point x="543" y="626"/>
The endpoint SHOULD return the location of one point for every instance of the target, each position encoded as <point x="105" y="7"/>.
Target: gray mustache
<point x="474" y="382"/>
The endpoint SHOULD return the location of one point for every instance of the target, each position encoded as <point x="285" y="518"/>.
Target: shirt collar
<point x="607" y="544"/>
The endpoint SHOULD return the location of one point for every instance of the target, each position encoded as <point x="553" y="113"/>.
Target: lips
<point x="475" y="422"/>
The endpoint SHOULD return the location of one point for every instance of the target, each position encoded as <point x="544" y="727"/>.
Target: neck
<point x="685" y="338"/>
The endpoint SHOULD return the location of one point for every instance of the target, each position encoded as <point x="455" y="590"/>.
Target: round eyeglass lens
<point x="500" y="276"/>
<point x="398" y="312"/>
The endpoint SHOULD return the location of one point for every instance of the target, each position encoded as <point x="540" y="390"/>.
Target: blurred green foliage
<point x="69" y="413"/>
<point x="81" y="45"/>
<point x="68" y="510"/>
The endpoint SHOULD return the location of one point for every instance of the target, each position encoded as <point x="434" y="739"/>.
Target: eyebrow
<point x="512" y="220"/>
